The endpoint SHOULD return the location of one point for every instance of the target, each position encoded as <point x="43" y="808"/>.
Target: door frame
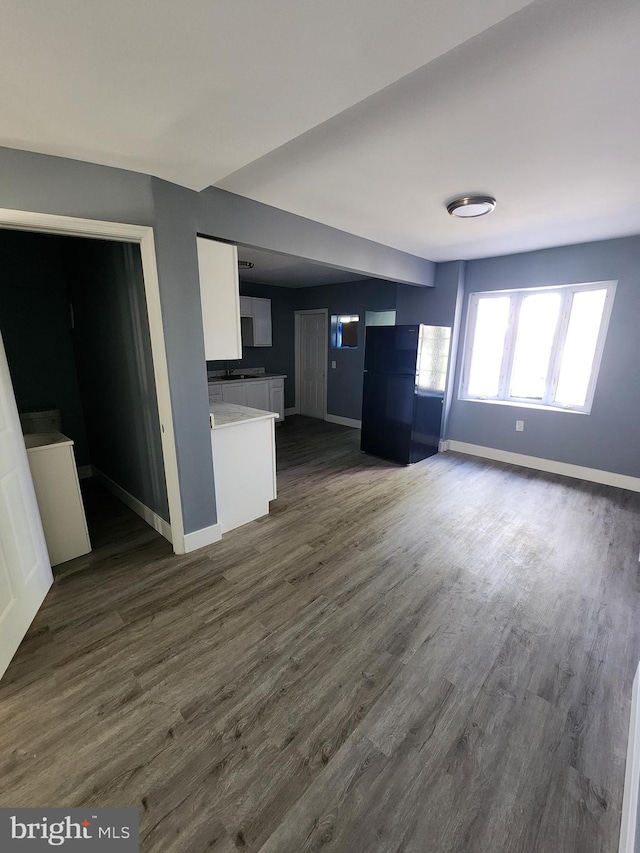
<point x="142" y="235"/>
<point x="297" y="315"/>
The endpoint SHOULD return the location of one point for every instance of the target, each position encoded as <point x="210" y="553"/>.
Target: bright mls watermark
<point x="83" y="830"/>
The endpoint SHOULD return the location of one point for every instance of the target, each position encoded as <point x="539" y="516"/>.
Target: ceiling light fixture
<point x="245" y="265"/>
<point x="471" y="205"/>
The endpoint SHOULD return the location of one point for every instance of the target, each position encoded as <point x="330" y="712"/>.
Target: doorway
<point x="311" y="352"/>
<point x="25" y="572"/>
<point x="75" y="329"/>
<point x="141" y="237"/>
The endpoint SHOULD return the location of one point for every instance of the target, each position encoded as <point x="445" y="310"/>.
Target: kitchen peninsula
<point x="244" y="462"/>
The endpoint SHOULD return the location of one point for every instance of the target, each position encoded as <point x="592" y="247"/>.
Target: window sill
<point x="513" y="404"/>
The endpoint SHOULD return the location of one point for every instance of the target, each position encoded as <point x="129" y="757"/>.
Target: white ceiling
<point x="366" y="115"/>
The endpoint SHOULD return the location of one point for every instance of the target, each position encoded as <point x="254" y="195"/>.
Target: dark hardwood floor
<point x="430" y="659"/>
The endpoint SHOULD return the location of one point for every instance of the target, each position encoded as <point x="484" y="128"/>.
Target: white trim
<point x="338" y="419"/>
<point x="297" y="315"/>
<point x="84" y="472"/>
<point x="143" y="235"/>
<point x="443" y="445"/>
<point x="632" y="775"/>
<point x="566" y="469"/>
<point x="294" y="410"/>
<point x="201" y="538"/>
<point x="153" y="519"/>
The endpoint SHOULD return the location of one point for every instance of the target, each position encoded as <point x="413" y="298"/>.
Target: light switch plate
<point x="519" y="426"/>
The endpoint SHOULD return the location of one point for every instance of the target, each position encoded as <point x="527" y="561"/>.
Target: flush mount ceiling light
<point x="471" y="205"/>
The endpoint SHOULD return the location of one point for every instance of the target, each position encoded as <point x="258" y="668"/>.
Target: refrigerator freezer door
<point x="391" y="349"/>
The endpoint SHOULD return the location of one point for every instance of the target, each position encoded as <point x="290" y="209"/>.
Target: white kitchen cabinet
<point x="215" y="392"/>
<point x="256" y="321"/>
<point x="265" y="394"/>
<point x="276" y="398"/>
<point x="258" y="396"/>
<point x="235" y="392"/>
<point x="220" y="299"/>
<point x="262" y="322"/>
<point x="55" y="480"/>
<point x="244" y="464"/>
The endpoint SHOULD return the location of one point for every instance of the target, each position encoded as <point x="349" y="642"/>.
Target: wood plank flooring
<point x="431" y="659"/>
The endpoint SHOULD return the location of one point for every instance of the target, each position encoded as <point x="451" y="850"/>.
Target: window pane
<point x="433" y="357"/>
<point x="488" y="346"/>
<point x="536" y="329"/>
<point x="580" y="347"/>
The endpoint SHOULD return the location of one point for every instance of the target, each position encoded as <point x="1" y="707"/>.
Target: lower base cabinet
<point x="244" y="468"/>
<point x="264" y="394"/>
<point x="55" y="480"/>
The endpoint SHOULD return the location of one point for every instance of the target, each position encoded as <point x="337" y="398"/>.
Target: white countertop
<point x="220" y="380"/>
<point x="39" y="440"/>
<point x="231" y="414"/>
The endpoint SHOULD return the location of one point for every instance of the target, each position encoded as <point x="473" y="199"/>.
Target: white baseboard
<point x="294" y="410"/>
<point x="152" y="518"/>
<point x="566" y="469"/>
<point x="201" y="538"/>
<point x="443" y="446"/>
<point x="84" y="472"/>
<point x="632" y="775"/>
<point x="349" y="422"/>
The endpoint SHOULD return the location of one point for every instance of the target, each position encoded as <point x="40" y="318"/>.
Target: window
<point x="344" y="331"/>
<point x="380" y="318"/>
<point x="538" y="347"/>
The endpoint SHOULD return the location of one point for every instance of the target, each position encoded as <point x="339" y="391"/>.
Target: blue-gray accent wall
<point x="608" y="438"/>
<point x="179" y="283"/>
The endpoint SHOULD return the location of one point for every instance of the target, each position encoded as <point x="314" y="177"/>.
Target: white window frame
<point x="516" y="297"/>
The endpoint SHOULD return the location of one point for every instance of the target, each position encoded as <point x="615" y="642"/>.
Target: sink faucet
<point x="228" y="371"/>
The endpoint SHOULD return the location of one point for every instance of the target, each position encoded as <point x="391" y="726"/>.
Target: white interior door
<point x="313" y="364"/>
<point x="25" y="571"/>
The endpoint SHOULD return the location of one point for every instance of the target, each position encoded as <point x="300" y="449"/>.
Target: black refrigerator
<point x="405" y="370"/>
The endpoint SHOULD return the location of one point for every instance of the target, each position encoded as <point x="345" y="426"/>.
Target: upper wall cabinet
<point x="220" y="298"/>
<point x="256" y="321"/>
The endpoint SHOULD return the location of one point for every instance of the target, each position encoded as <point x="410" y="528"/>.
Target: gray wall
<point x="113" y="349"/>
<point x="344" y="383"/>
<point x="433" y="306"/>
<point x="38" y="182"/>
<point x="231" y="217"/>
<point x="176" y="254"/>
<point x="607" y="439"/>
<point x="36" y="329"/>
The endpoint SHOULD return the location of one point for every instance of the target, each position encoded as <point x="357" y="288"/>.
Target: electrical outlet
<point x="333" y="365"/>
<point x="519" y="426"/>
